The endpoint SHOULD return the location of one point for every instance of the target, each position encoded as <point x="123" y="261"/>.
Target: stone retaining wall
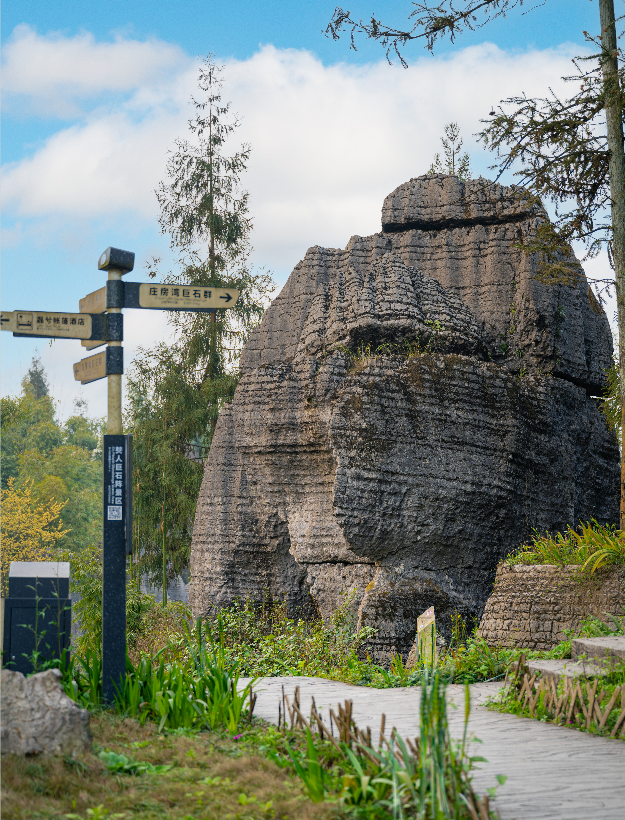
<point x="531" y="606"/>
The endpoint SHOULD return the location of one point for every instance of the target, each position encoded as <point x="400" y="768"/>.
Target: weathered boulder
<point x="37" y="716"/>
<point x="409" y="409"/>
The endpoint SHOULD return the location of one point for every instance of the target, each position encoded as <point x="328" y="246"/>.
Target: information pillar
<point x="117" y="537"/>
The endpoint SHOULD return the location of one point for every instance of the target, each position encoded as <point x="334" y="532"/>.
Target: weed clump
<point x="592" y="547"/>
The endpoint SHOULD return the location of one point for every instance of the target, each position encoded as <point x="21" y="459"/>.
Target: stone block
<point x="554" y="593"/>
<point x="37" y="716"/>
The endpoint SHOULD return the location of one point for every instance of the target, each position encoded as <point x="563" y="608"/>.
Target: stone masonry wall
<point x="531" y="606"/>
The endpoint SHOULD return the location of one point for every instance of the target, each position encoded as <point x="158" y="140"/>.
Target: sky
<point x="95" y="95"/>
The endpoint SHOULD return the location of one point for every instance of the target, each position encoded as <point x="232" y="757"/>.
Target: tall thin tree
<point x="177" y="390"/>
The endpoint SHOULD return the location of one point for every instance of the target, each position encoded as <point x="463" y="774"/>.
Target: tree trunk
<point x="613" y="111"/>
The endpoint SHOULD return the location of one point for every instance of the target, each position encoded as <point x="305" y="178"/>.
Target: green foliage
<point x="592" y="627"/>
<point x="610" y="405"/>
<point x="177" y="390"/>
<point x="86" y="584"/>
<point x="425" y="22"/>
<point x="593" y="706"/>
<point x="310" y="771"/>
<point x="455" y="164"/>
<point x="430" y="777"/>
<point x="61" y="461"/>
<point x="121" y="764"/>
<point x="592" y="547"/>
<point x="559" y="146"/>
<point x="202" y="691"/>
<point x="36" y="380"/>
<point x="265" y="641"/>
<point x="74" y="474"/>
<point x="167" y="412"/>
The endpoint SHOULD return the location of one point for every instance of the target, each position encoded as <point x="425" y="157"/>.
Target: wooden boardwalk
<point x="554" y="773"/>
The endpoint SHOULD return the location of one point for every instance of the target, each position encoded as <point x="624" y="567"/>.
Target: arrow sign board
<point x="105" y="363"/>
<point x="56" y="325"/>
<point x="93" y="344"/>
<point x="91" y="369"/>
<point x="178" y="297"/>
<point x="63" y="325"/>
<point x="94" y="302"/>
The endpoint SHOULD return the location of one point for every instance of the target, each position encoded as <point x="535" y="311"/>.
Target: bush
<point x="594" y="546"/>
<point x="267" y="642"/>
<point x="149" y="626"/>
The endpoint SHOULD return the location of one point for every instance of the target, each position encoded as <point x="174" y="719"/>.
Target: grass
<point x="266" y="642"/>
<point x="139" y="766"/>
<point x="591" y="547"/>
<point x="210" y="776"/>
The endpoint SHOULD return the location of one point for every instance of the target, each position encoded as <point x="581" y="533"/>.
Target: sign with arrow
<point x="178" y="297"/>
<point x="106" y="363"/>
<point x="63" y="325"/>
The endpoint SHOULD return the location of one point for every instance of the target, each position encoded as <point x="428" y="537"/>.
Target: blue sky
<point x="95" y="94"/>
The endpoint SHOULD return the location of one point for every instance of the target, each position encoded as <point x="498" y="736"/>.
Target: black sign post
<point x="117" y="537"/>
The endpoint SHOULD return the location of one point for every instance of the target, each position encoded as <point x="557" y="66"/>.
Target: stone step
<point x="610" y="648"/>
<point x="565" y="668"/>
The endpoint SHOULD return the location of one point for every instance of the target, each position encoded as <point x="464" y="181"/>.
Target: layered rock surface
<point x="37" y="716"/>
<point x="409" y="409"/>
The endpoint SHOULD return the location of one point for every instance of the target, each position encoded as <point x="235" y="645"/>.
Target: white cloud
<point x="329" y="142"/>
<point x="49" y="73"/>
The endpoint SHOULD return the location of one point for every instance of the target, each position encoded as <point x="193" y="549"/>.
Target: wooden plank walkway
<point x="554" y="773"/>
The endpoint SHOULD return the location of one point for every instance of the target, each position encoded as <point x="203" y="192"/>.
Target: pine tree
<point x="177" y="390"/>
<point x="456" y="164"/>
<point x="36" y="380"/>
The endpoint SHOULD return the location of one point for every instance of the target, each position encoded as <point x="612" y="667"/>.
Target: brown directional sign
<point x="94" y="302"/>
<point x="63" y="325"/>
<point x="105" y="363"/>
<point x="34" y="323"/>
<point x="178" y="297"/>
<point x="91" y="369"/>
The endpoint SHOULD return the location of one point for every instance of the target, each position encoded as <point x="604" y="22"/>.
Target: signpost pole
<point x="114" y="419"/>
<point x="116" y="487"/>
<point x="117" y="508"/>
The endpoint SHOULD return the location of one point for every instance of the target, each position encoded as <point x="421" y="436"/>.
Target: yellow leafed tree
<point x="29" y="529"/>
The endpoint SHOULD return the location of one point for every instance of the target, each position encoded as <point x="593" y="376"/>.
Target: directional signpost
<point x="62" y="325"/>
<point x="100" y="322"/>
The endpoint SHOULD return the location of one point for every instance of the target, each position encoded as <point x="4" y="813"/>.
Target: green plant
<point x="121" y="764"/>
<point x="596" y="706"/>
<point x="97" y="813"/>
<point x="52" y="787"/>
<point x="594" y="544"/>
<point x="177" y="390"/>
<point x="203" y="691"/>
<point x="264" y="640"/>
<point x="429" y="777"/>
<point x="310" y="770"/>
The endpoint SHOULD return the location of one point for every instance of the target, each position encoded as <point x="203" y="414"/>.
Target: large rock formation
<point x="409" y="409"/>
